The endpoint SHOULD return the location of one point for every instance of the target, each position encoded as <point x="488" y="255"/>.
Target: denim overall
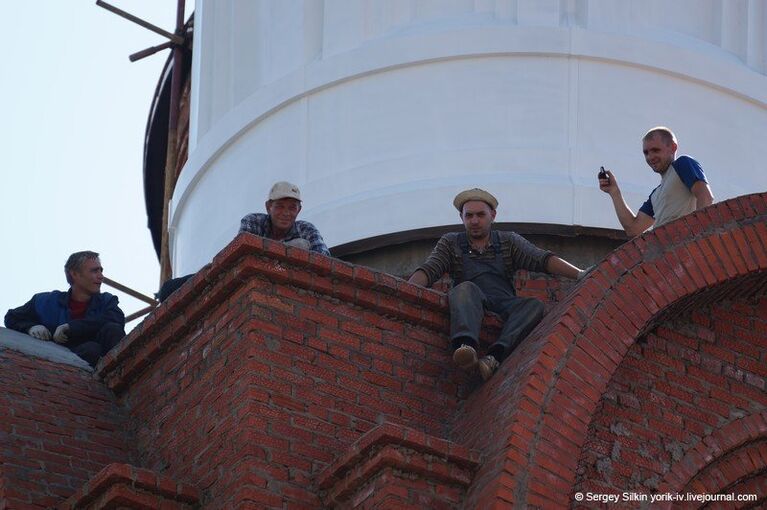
<point x="485" y="286"/>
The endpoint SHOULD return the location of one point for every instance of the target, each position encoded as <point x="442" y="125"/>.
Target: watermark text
<point x="675" y="497"/>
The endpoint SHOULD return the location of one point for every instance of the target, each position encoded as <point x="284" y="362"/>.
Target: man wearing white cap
<point x="282" y="206"/>
<point x="482" y="262"/>
<point x="280" y="224"/>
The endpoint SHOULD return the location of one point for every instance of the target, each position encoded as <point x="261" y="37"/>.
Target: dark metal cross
<point x="173" y="39"/>
<point x="179" y="42"/>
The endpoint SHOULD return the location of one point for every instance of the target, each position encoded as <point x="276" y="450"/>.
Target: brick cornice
<point x="123" y="485"/>
<point x="249" y="256"/>
<point x="403" y="449"/>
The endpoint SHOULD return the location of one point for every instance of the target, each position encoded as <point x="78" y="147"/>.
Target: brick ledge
<point x="400" y="448"/>
<point x="122" y="484"/>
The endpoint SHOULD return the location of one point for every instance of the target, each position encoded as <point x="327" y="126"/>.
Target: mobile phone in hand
<point x="603" y="174"/>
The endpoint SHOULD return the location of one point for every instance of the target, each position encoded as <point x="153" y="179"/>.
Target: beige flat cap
<point x="474" y="194"/>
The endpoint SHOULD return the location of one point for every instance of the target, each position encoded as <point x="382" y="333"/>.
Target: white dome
<point x="382" y="110"/>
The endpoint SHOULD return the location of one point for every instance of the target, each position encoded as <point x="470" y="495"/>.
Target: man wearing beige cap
<point x="482" y="262"/>
<point x="282" y="206"/>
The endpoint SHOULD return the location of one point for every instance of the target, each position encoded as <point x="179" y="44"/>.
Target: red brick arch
<point x="548" y="390"/>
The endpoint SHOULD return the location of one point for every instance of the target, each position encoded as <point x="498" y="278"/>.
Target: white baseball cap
<point x="284" y="189"/>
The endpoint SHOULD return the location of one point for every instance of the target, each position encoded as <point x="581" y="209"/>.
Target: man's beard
<point x="480" y="233"/>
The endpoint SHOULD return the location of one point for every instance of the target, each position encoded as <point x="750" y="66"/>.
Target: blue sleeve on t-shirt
<point x="647" y="206"/>
<point x="689" y="171"/>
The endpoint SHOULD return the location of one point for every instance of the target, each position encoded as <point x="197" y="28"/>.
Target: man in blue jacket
<point x="85" y="320"/>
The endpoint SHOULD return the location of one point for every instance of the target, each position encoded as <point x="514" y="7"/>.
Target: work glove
<point x="299" y="242"/>
<point x="40" y="332"/>
<point x="61" y="335"/>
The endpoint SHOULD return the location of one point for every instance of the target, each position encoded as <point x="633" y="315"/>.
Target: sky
<point x="74" y="111"/>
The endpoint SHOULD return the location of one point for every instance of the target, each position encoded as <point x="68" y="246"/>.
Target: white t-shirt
<point x="673" y="198"/>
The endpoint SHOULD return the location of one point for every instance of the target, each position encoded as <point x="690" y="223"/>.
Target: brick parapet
<point x="248" y="256"/>
<point x="251" y="256"/>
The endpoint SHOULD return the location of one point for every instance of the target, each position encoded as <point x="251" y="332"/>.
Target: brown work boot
<point x="465" y="357"/>
<point x="487" y="366"/>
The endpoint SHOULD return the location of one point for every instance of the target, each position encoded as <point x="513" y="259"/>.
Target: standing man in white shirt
<point x="682" y="190"/>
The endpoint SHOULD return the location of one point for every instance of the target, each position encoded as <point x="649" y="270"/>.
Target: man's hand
<point x="583" y="272"/>
<point x="61" y="335"/>
<point x="40" y="332"/>
<point x="419" y="278"/>
<point x="633" y="224"/>
<point x="703" y="195"/>
<point x="609" y="185"/>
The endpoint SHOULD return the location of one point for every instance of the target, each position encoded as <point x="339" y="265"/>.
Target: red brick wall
<point x="58" y="428"/>
<point x="695" y="375"/>
<point x="546" y="288"/>
<point x="279" y="363"/>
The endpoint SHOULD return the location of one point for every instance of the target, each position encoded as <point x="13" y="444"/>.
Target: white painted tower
<point x="382" y="110"/>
